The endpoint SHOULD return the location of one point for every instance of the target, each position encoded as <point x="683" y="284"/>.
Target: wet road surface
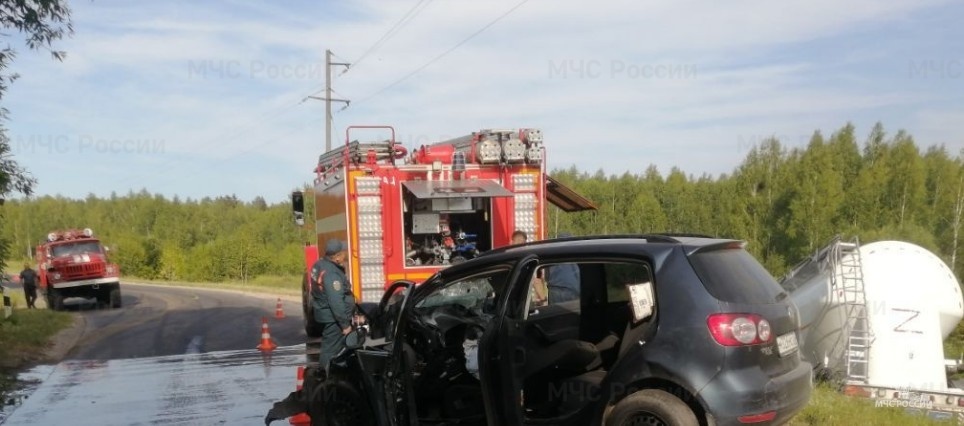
<point x="229" y="388"/>
<point x="159" y="321"/>
<point x="170" y="356"/>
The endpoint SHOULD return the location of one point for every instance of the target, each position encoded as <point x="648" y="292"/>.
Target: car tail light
<point x="763" y="330"/>
<point x="739" y="329"/>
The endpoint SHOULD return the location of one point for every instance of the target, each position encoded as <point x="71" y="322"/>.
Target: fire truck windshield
<point x="71" y="248"/>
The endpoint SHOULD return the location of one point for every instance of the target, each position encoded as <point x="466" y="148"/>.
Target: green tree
<point x="41" y="23"/>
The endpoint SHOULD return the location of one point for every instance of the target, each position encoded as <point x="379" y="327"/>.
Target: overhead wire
<point x="279" y="111"/>
<point x="394" y="29"/>
<point x="191" y="171"/>
<point x="404" y="20"/>
<point x="442" y="55"/>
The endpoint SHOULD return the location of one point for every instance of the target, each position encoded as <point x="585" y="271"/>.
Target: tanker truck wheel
<point x="115" y="297"/>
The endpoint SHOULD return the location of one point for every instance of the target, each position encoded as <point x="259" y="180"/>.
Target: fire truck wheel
<point x="115" y="297"/>
<point x="55" y="300"/>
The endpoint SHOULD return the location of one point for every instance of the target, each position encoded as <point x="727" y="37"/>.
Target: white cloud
<point x="219" y="84"/>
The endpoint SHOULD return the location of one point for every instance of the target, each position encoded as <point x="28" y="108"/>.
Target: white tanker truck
<point x="875" y="317"/>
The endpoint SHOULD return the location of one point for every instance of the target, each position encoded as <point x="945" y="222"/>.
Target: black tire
<point x="651" y="407"/>
<point x="55" y="300"/>
<point x="115" y="297"/>
<point x="312" y="328"/>
<point x="338" y="403"/>
<point x="102" y="295"/>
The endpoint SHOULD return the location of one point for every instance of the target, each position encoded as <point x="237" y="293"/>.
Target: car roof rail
<point x="653" y="238"/>
<point x="684" y="235"/>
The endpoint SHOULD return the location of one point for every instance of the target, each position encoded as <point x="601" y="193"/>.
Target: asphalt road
<point x="170" y="356"/>
<point x="157" y="321"/>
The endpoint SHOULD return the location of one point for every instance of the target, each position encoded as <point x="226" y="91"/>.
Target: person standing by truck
<point x="332" y="300"/>
<point x="28" y="279"/>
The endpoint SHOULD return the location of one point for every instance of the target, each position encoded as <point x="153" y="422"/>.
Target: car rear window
<point x="733" y="275"/>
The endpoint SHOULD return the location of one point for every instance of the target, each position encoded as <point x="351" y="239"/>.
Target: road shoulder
<point x="65" y="340"/>
<point x="266" y="294"/>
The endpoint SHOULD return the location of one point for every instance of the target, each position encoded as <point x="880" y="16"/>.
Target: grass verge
<point x="24" y="337"/>
<point x="829" y="407"/>
<point x="27" y="332"/>
<point x="270" y="284"/>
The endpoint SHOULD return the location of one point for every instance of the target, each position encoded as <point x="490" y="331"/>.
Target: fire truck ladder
<point x="357" y="152"/>
<point x="848" y="281"/>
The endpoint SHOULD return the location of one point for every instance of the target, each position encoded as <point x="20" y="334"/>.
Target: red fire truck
<point x="405" y="215"/>
<point x="73" y="263"/>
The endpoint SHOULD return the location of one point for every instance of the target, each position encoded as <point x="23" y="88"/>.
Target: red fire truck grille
<point x="87" y="270"/>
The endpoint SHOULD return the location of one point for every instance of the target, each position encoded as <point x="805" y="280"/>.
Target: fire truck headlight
<point x="514" y="150"/>
<point x="56" y="275"/>
<point x="110" y="269"/>
<point x="534" y="153"/>
<point x="489" y="151"/>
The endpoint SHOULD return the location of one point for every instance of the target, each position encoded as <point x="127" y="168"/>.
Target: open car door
<point x="502" y="365"/>
<point x="380" y="360"/>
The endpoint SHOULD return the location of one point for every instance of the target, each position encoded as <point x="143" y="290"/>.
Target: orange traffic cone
<point x="266" y="343"/>
<point x="279" y="312"/>
<point x="300" y="419"/>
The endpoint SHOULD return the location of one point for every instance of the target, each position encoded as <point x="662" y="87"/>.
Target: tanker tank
<point x="876" y="314"/>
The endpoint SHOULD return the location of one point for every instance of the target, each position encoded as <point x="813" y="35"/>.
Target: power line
<point x="404" y="20"/>
<point x="443" y="54"/>
<point x="191" y="171"/>
<point x="229" y="136"/>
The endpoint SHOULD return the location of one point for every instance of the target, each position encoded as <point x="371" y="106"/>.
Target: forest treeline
<point x="785" y="201"/>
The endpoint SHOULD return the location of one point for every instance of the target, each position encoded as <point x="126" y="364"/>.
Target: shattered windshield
<point x="471" y="293"/>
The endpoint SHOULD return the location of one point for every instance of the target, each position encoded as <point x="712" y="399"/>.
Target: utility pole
<point x="328" y="99"/>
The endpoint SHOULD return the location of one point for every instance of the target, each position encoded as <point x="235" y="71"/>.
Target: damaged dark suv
<point x="654" y="330"/>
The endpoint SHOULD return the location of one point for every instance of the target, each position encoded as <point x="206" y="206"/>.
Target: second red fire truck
<point x="73" y="263"/>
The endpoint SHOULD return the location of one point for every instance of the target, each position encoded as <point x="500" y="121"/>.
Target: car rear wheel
<point x="652" y="407"/>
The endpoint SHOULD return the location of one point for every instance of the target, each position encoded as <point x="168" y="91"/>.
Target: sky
<point x="200" y="99"/>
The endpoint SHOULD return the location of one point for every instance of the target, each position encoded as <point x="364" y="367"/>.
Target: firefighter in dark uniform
<point x="332" y="300"/>
<point x="28" y="278"/>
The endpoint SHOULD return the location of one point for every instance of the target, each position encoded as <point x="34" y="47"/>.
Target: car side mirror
<point x="356" y="339"/>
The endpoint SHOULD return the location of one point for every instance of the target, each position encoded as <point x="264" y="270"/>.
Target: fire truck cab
<point x="405" y="215"/>
<point x="73" y="263"/>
